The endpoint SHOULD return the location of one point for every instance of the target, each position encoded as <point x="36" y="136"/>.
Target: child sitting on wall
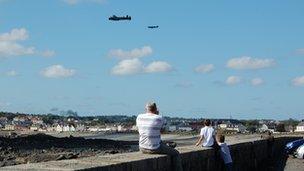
<point x="225" y="152"/>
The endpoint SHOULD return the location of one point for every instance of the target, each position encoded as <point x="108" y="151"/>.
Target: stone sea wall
<point x="253" y="155"/>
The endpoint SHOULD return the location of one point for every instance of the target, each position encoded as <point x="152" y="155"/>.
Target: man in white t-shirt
<point x="150" y="125"/>
<point x="206" y="135"/>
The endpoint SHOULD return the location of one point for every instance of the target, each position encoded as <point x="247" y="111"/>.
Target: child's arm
<point x="199" y="140"/>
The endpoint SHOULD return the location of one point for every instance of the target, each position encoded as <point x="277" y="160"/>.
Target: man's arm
<point x="199" y="140"/>
<point x="163" y="128"/>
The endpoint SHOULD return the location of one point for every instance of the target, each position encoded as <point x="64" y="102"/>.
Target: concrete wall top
<point x="91" y="163"/>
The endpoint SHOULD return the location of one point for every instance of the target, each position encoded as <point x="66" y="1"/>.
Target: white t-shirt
<point x="208" y="133"/>
<point x="225" y="153"/>
<point x="149" y="127"/>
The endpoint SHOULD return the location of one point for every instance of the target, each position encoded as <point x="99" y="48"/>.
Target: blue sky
<point x="207" y="59"/>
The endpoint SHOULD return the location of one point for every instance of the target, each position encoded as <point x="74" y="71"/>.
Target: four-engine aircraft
<point x="152" y="27"/>
<point x="115" y="18"/>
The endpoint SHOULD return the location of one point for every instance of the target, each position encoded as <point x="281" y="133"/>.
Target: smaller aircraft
<point x="152" y="27"/>
<point x="115" y="18"/>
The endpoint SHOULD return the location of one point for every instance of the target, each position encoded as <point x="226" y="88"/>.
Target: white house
<point x="134" y="128"/>
<point x="42" y="129"/>
<point x="300" y="127"/>
<point x="112" y="128"/>
<point x="172" y="128"/>
<point x="93" y="129"/>
<point x="121" y="128"/>
<point x="34" y="128"/>
<point x="267" y="127"/>
<point x="80" y="128"/>
<point x="185" y="128"/>
<point x="50" y="128"/>
<point x="240" y="128"/>
<point x="9" y="127"/>
<point x="72" y="128"/>
<point x="223" y="125"/>
<point x="232" y="127"/>
<point x="98" y="129"/>
<point x="69" y="128"/>
<point x="66" y="128"/>
<point x="104" y="129"/>
<point x="263" y="128"/>
<point x="20" y="119"/>
<point x="37" y="120"/>
<point x="59" y="128"/>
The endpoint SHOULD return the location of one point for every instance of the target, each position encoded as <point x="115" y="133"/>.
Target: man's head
<point x="207" y="122"/>
<point x="220" y="138"/>
<point x="151" y="107"/>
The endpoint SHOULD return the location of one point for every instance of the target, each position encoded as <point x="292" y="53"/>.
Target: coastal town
<point x="127" y="124"/>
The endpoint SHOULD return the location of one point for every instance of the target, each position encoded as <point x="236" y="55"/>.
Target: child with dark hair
<point x="206" y="135"/>
<point x="225" y="152"/>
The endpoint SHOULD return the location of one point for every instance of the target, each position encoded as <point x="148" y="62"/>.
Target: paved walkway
<point x="294" y="164"/>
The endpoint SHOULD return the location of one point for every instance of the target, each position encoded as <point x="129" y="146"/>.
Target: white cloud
<point x="74" y="2"/>
<point x="8" y="49"/>
<point x="57" y="71"/>
<point x="11" y="73"/>
<point x="298" y="81"/>
<point x="15" y="35"/>
<point x="10" y="44"/>
<point x="131" y="64"/>
<point x="135" y="66"/>
<point x="128" y="67"/>
<point x="257" y="81"/>
<point x="134" y="53"/>
<point x="48" y="53"/>
<point x="204" y="68"/>
<point x="300" y="51"/>
<point x="158" y="66"/>
<point x="247" y="62"/>
<point x="233" y="80"/>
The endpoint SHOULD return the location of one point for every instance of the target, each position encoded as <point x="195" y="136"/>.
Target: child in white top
<point x="206" y="135"/>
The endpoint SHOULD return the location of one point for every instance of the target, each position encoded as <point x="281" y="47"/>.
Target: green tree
<point x="280" y="127"/>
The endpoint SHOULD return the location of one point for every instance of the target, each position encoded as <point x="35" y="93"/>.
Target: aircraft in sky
<point x="152" y="27"/>
<point x="115" y="18"/>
